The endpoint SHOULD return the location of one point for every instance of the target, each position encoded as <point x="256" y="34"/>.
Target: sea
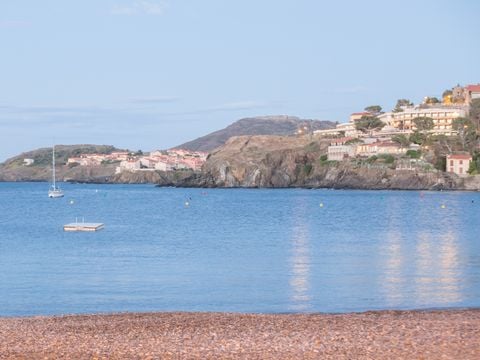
<point x="236" y="250"/>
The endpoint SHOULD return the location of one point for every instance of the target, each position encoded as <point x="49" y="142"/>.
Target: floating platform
<point x="83" y="226"/>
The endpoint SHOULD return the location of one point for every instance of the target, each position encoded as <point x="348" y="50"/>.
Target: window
<point x="460" y="171"/>
<point x="461" y="162"/>
<point x="451" y="162"/>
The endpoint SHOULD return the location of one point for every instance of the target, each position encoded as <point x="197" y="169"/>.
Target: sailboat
<point x="54" y="192"/>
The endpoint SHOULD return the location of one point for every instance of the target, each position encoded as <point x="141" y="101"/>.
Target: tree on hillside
<point x="466" y="131"/>
<point x="431" y="100"/>
<point x="475" y="113"/>
<point x="423" y="123"/>
<point x="401" y="103"/>
<point x="369" y="123"/>
<point x="374" y="109"/>
<point x="401" y="140"/>
<point x="475" y="164"/>
<point x="418" y="138"/>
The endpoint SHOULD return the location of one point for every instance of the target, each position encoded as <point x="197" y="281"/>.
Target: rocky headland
<point x="260" y="161"/>
<point x="280" y="162"/>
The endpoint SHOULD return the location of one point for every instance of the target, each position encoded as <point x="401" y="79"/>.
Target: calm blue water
<point x="236" y="250"/>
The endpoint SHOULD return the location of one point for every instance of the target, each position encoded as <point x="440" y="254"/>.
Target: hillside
<point x="277" y="162"/>
<point x="264" y="125"/>
<point x="14" y="169"/>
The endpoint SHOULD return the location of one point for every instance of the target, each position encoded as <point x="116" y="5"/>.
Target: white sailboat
<point x="54" y="192"/>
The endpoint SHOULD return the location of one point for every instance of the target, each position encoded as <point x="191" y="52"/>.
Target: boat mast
<point x="53" y="166"/>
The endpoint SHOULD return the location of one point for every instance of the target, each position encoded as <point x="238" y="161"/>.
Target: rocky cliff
<point x="275" y="161"/>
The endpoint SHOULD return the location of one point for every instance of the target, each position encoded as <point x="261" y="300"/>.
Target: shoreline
<point x="445" y="333"/>
<point x="248" y="187"/>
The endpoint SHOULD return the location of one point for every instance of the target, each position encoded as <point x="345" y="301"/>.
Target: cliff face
<point x="260" y="161"/>
<point x="274" y="161"/>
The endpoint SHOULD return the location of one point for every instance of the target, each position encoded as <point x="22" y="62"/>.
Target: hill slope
<point x="263" y="125"/>
<point x="13" y="169"/>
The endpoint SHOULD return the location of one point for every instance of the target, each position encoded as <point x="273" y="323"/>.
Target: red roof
<point x="341" y="140"/>
<point x="473" y="88"/>
<point x="361" y="113"/>
<point x="459" y="157"/>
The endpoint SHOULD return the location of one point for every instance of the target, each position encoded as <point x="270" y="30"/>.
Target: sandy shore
<point x="453" y="334"/>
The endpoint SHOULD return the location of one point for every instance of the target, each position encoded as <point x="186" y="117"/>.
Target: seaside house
<point x="458" y="163"/>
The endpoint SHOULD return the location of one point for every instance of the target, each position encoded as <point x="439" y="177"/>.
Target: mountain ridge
<point x="282" y="125"/>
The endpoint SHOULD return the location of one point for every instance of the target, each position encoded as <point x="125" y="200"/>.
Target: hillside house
<point x="458" y="163"/>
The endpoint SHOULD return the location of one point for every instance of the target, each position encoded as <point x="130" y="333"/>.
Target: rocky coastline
<point x="264" y="162"/>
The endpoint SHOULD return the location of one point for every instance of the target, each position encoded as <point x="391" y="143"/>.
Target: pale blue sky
<point x="154" y="73"/>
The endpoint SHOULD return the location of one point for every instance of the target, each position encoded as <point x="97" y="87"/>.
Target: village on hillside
<point x="436" y="135"/>
<point x="164" y="160"/>
<point x="408" y="130"/>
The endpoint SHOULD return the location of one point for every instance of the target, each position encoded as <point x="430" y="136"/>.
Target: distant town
<point x="410" y="129"/>
<point x="439" y="134"/>
<point x="163" y="160"/>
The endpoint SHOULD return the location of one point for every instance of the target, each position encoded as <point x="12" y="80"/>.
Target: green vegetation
<point x="441" y="163"/>
<point x="475" y="113"/>
<point x="400" y="103"/>
<point x="307" y="169"/>
<point x="474" y="168"/>
<point x="401" y="140"/>
<point x="423" y="123"/>
<point x="466" y="132"/>
<point x="369" y="123"/>
<point x="418" y="138"/>
<point x="354" y="141"/>
<point x="374" y="109"/>
<point x="323" y="161"/>
<point x="387" y="158"/>
<point x="432" y="100"/>
<point x="312" y="147"/>
<point x="414" y="154"/>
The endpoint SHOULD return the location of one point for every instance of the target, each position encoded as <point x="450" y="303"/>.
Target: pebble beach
<point x="445" y="334"/>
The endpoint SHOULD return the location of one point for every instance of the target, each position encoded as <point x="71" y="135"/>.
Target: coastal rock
<point x="294" y="161"/>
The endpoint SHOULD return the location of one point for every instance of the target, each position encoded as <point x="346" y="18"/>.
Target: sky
<point x="151" y="74"/>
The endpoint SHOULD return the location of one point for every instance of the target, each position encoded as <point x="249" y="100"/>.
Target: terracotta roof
<point x="361" y="113"/>
<point x="341" y="140"/>
<point x="474" y="88"/>
<point x="459" y="156"/>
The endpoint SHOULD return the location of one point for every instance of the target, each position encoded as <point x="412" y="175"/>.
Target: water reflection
<point x="422" y="268"/>
<point x="300" y="296"/>
<point x="394" y="278"/>
<point x="438" y="272"/>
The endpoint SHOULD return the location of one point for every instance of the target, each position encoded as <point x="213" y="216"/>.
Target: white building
<point x="164" y="166"/>
<point x="340" y="152"/>
<point x="442" y="117"/>
<point x="28" y="162"/>
<point x="128" y="165"/>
